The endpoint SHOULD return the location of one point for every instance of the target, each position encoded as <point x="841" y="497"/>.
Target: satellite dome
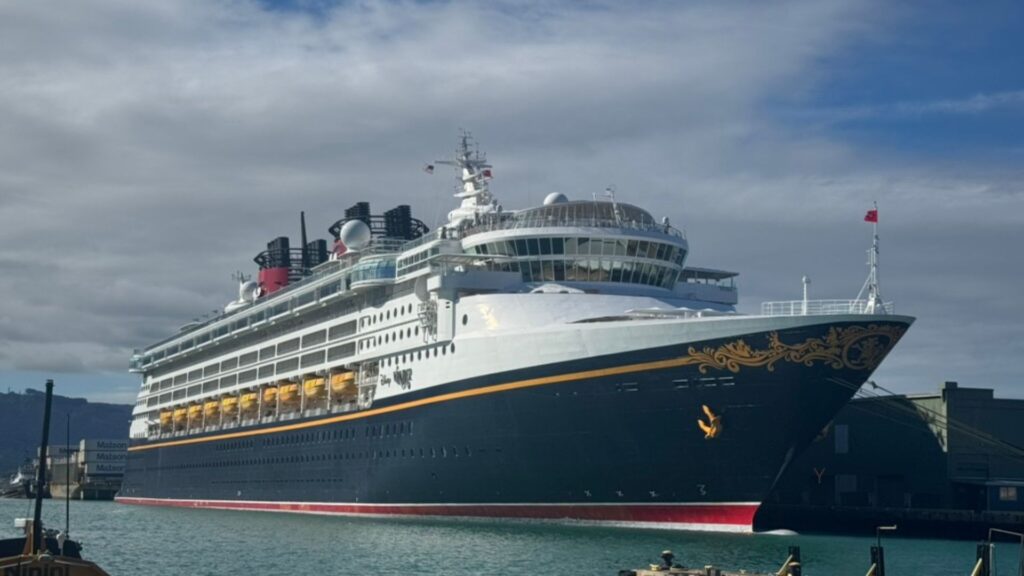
<point x="555" y="198"/>
<point x="355" y="234"/>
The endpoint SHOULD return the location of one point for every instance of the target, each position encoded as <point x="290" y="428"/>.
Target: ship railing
<point x="824" y="307"/>
<point x="571" y="222"/>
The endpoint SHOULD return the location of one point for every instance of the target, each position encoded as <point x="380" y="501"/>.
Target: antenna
<point x="67" y="481"/>
<point x="874" y="303"/>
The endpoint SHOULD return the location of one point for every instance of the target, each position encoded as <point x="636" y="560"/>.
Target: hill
<point x="21" y="419"/>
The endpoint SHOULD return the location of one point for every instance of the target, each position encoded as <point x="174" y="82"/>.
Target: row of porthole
<point x="279" y="481"/>
<point x="434" y="452"/>
<point x="386" y="315"/>
<point x="418" y="355"/>
<point x="385" y="430"/>
<point x="396" y="336"/>
<point x="393" y="336"/>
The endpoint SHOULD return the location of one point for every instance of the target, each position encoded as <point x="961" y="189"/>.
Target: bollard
<point x="983" y="566"/>
<point x="794" y="564"/>
<point x="878" y="560"/>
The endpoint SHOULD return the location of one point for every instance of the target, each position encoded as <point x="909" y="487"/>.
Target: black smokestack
<point x="305" y="257"/>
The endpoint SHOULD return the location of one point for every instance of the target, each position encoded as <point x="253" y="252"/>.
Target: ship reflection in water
<point x="169" y="542"/>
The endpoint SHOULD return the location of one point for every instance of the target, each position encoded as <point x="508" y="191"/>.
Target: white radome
<point x="355" y="235"/>
<point x="555" y="198"/>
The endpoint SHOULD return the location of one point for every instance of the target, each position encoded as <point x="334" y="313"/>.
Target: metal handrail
<point x="822" y="307"/>
<point x="570" y="222"/>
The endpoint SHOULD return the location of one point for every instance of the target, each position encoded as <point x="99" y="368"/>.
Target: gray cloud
<point x="151" y="150"/>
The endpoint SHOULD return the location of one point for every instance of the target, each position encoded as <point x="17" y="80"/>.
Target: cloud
<point x="973" y="105"/>
<point x="149" y="151"/>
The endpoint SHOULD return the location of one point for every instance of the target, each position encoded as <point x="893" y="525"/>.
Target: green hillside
<point x="21" y="419"/>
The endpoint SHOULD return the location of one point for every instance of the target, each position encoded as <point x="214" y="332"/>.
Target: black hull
<point x="612" y="438"/>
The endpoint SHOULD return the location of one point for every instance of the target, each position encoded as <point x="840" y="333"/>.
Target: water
<point x="157" y="541"/>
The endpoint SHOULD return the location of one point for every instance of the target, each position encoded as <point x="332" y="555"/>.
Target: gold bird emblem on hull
<point x="713" y="427"/>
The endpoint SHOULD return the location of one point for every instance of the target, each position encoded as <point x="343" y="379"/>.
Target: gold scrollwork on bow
<point x="854" y="347"/>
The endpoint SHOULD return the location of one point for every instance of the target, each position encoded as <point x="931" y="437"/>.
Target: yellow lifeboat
<point x="343" y="384"/>
<point x="165" y="418"/>
<point x="211" y="409"/>
<point x="270" y="396"/>
<point x="289" y="393"/>
<point x="180" y="416"/>
<point x="248" y="401"/>
<point x="195" y="415"/>
<point x="229" y="406"/>
<point x="314" y="388"/>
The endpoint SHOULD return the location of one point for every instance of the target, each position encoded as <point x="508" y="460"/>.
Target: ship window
<point x="266" y="371"/>
<point x="465" y="319"/>
<point x="314" y="338"/>
<point x="453" y="347"/>
<point x="313" y="359"/>
<point x="842" y="433"/>
<point x="419" y="355"/>
<point x="267" y="352"/>
<point x="1008" y="493"/>
<point x="229" y="364"/>
<point x="344" y="351"/>
<point x="444" y="350"/>
<point x="211" y="369"/>
<point x="545" y="246"/>
<point x="288" y="346"/>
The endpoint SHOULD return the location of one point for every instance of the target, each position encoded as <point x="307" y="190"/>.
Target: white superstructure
<point x="489" y="291"/>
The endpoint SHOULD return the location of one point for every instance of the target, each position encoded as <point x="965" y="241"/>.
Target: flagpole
<point x="875" y="296"/>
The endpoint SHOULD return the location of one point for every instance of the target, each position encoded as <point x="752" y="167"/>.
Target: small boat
<point x="43" y="551"/>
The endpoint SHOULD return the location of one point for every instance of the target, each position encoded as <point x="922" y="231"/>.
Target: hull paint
<point x="584" y="440"/>
<point x="733" y="517"/>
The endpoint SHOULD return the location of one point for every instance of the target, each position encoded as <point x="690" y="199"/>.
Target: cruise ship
<point x="560" y="362"/>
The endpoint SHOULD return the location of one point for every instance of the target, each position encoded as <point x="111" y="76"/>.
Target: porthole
<point x="465" y="319"/>
<point x="419" y="355"/>
<point x="453" y="347"/>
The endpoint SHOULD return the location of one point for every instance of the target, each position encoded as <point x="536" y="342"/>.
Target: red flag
<point x="871" y="216"/>
<point x="487" y="172"/>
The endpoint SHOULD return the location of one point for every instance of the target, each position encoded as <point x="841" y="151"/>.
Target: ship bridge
<point x="581" y="241"/>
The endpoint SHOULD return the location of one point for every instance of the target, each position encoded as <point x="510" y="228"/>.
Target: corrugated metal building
<point x="958" y="449"/>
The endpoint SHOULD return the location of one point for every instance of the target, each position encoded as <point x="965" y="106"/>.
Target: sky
<point x="148" y="150"/>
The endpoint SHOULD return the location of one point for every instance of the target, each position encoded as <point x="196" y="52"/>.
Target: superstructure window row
<point x="592" y="270"/>
<point x="583" y="247"/>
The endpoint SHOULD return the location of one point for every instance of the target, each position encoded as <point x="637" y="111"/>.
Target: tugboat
<point x="41" y="551"/>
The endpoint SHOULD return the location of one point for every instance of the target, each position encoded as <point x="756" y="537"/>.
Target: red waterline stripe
<point x="707" y="514"/>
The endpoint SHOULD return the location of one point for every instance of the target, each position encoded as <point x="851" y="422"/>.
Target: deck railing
<point x="823" y="307"/>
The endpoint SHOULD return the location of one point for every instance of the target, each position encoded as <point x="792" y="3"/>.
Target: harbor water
<point x="164" y="541"/>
